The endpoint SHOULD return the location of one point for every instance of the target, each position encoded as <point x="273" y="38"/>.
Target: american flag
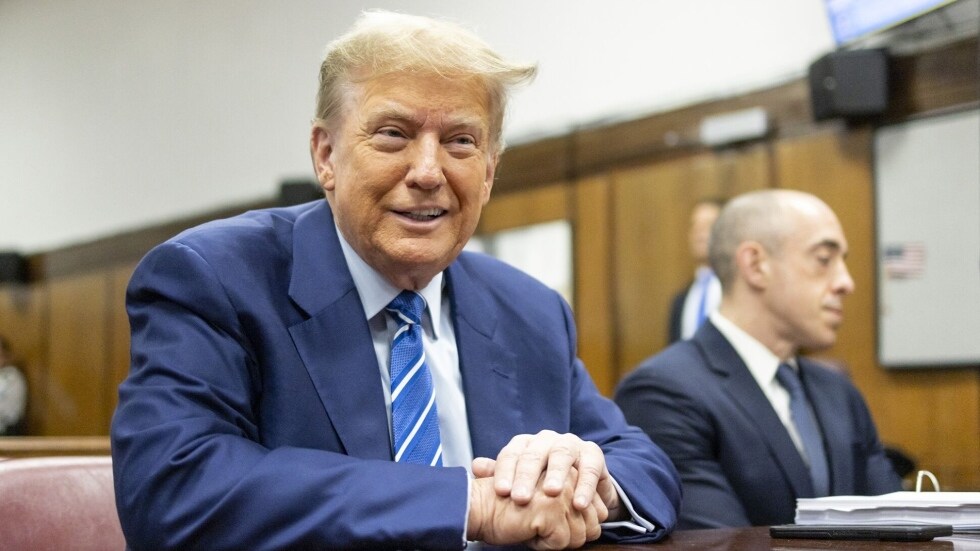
<point x="904" y="260"/>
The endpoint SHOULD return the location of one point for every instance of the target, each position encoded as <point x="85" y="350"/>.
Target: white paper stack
<point x="961" y="510"/>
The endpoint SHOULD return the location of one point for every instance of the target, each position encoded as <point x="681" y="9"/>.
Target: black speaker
<point x="13" y="267"/>
<point x="849" y="84"/>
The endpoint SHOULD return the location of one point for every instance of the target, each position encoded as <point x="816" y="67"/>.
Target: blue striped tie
<point x="414" y="418"/>
<point x="806" y="427"/>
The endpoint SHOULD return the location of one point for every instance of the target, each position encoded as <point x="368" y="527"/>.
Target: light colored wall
<point x="116" y="114"/>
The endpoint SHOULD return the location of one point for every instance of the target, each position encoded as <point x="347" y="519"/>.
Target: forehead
<point x="817" y="227"/>
<point x="421" y="96"/>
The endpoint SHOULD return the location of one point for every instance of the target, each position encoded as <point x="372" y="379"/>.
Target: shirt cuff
<point x="466" y="514"/>
<point x="636" y="523"/>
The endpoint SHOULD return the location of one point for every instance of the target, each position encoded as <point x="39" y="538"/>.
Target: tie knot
<point x="788" y="377"/>
<point x="407" y="307"/>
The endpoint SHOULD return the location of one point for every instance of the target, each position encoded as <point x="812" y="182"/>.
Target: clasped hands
<point x="547" y="491"/>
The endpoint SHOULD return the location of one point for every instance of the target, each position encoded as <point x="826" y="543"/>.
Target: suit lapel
<point x="335" y="341"/>
<point x="488" y="369"/>
<point x="744" y="391"/>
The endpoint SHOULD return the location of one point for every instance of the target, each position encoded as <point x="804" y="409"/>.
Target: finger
<point x="606" y="491"/>
<point x="578" y="524"/>
<point x="602" y="512"/>
<point x="503" y="475"/>
<point x="529" y="466"/>
<point x="483" y="467"/>
<point x="594" y="516"/>
<point x="591" y="468"/>
<point x="561" y="458"/>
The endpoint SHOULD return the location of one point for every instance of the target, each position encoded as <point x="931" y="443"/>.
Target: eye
<point x="391" y="132"/>
<point x="824" y="260"/>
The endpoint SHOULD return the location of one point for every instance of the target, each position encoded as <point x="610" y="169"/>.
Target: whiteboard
<point x="927" y="198"/>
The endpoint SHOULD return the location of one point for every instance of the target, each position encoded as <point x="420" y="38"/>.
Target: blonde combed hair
<point x="382" y="42"/>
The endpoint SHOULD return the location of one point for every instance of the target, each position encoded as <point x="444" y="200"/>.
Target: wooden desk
<point x="757" y="538"/>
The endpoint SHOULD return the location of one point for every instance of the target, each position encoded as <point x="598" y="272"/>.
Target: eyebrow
<point x="393" y="112"/>
<point x="832" y="244"/>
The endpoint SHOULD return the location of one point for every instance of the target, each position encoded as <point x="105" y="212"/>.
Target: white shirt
<point x="692" y="301"/>
<point x="762" y="364"/>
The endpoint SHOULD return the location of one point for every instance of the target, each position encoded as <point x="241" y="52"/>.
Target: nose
<point x="426" y="170"/>
<point x="844" y="284"/>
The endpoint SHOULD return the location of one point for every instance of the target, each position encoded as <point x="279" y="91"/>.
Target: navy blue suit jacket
<point x="253" y="416"/>
<point x="676" y="320"/>
<point x="738" y="465"/>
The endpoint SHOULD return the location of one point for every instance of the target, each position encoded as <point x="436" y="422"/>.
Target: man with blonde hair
<point x="750" y="424"/>
<point x="341" y="375"/>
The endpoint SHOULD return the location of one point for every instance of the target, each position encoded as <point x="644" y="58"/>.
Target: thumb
<point x="483" y="467"/>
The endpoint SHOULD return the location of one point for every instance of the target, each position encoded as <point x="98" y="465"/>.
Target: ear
<point x="321" y="150"/>
<point x="491" y="171"/>
<point x="753" y="264"/>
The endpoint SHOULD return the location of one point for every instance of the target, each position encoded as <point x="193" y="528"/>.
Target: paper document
<point x="959" y="509"/>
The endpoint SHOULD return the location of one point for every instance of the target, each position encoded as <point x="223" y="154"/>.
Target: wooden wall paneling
<point x="540" y="162"/>
<point x="651" y="220"/>
<point x="78" y="367"/>
<point x="23" y="319"/>
<point x="651" y="212"/>
<point x="102" y="254"/>
<point x="743" y="169"/>
<point x="676" y="133"/>
<point x="118" y="335"/>
<point x="594" y="308"/>
<point x="932" y="414"/>
<point x="934" y="81"/>
<point x="523" y="208"/>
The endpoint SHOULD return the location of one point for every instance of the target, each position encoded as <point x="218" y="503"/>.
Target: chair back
<point x="58" y="503"/>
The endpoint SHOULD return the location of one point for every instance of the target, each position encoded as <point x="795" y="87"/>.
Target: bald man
<point x="750" y="425"/>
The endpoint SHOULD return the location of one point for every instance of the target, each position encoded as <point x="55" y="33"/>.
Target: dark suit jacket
<point x="677" y="315"/>
<point x="738" y="465"/>
<point x="253" y="416"/>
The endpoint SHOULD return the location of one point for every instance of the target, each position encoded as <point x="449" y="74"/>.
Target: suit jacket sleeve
<point x="678" y="423"/>
<point x="643" y="471"/>
<point x="189" y="469"/>
<point x="875" y="474"/>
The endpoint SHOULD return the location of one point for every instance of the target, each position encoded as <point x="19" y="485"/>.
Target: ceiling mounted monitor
<point x="851" y="20"/>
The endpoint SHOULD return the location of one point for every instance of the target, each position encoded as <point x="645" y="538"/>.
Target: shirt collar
<point x="762" y="363"/>
<point x="703" y="272"/>
<point x="376" y="292"/>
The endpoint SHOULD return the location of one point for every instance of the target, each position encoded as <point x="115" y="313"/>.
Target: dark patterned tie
<point x="414" y="418"/>
<point x="806" y="427"/>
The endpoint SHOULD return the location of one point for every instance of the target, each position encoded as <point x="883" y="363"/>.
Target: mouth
<point x="422" y="215"/>
<point x="837" y="312"/>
